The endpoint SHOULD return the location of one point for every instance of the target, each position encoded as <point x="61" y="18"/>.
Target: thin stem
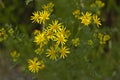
<point x="43" y="28"/>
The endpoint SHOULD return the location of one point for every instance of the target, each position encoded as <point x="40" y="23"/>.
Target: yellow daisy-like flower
<point x="76" y="42"/>
<point x="51" y="53"/>
<point x="60" y="39"/>
<point x="96" y="20"/>
<point x="64" y="32"/>
<point x="86" y="18"/>
<point x="76" y="13"/>
<point x="40" y="39"/>
<point x="44" y="15"/>
<point x="35" y="65"/>
<point x="35" y="17"/>
<point x="14" y="55"/>
<point x="50" y="34"/>
<point x="63" y="52"/>
<point x="39" y="50"/>
<point x="55" y="26"/>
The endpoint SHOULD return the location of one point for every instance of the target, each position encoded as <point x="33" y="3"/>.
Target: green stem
<point x="43" y="27"/>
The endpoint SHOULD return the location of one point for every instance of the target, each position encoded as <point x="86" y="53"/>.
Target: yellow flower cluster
<point x="48" y="7"/>
<point x="56" y="35"/>
<point x="87" y="18"/>
<point x="35" y="65"/>
<point x="15" y="55"/>
<point x="53" y="38"/>
<point x="103" y="38"/>
<point x="3" y="34"/>
<point x="98" y="3"/>
<point x="41" y="16"/>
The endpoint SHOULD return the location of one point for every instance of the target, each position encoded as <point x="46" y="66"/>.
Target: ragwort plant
<point x="54" y="40"/>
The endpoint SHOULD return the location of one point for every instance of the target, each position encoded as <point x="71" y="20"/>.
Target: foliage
<point x="61" y="40"/>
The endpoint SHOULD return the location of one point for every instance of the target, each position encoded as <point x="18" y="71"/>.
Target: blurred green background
<point x="84" y="63"/>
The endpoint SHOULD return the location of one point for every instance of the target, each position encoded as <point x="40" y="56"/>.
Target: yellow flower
<point x="63" y="52"/>
<point x="64" y="32"/>
<point x="51" y="53"/>
<point x="50" y="34"/>
<point x="106" y="38"/>
<point x="39" y="50"/>
<point x="44" y="15"/>
<point x="86" y="18"/>
<point x="55" y="26"/>
<point x="35" y="65"/>
<point x="76" y="13"/>
<point x="96" y="20"/>
<point x="14" y="55"/>
<point x="60" y="39"/>
<point x="40" y="39"/>
<point x="103" y="38"/>
<point x="99" y="3"/>
<point x="36" y="32"/>
<point x="76" y="42"/>
<point x="40" y="17"/>
<point x="48" y="7"/>
<point x="35" y="17"/>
